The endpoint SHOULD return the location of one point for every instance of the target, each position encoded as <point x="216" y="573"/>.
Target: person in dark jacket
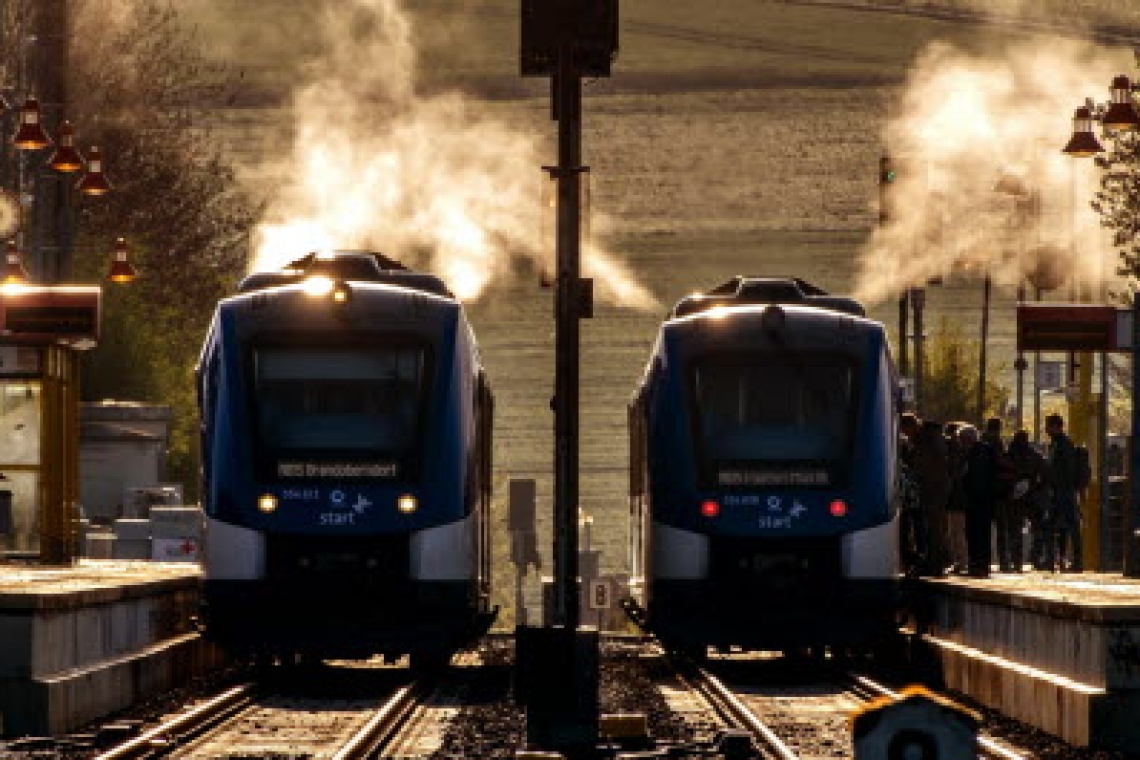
<point x="1029" y="475"/>
<point x="979" y="487"/>
<point x="932" y="470"/>
<point x="1066" y="509"/>
<point x="912" y="525"/>
<point x="956" y="503"/>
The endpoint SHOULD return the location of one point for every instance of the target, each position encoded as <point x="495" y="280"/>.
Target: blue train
<point x="346" y="428"/>
<point x="763" y="472"/>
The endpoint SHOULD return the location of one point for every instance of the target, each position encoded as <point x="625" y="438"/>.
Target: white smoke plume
<point x="982" y="184"/>
<point x="430" y="179"/>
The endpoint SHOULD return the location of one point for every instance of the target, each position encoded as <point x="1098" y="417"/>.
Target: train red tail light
<point x="710" y="508"/>
<point x="839" y="508"/>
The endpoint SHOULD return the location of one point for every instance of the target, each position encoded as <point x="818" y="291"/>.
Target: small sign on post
<point x="906" y="390"/>
<point x="1050" y="376"/>
<point x="601" y="595"/>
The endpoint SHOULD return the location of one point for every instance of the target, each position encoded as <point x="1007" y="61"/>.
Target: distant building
<point x="122" y="446"/>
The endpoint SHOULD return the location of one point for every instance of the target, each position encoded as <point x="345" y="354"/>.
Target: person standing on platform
<point x="1066" y="509"/>
<point x="912" y="530"/>
<point x="933" y="473"/>
<point x="979" y="487"/>
<point x="956" y="503"/>
<point x="1029" y="472"/>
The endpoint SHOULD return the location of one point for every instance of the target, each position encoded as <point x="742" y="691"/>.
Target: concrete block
<point x="99" y="546"/>
<point x="176" y="522"/>
<point x="128" y="529"/>
<point x="137" y="549"/>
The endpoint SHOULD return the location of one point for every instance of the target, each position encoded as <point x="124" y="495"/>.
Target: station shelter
<point x="43" y="331"/>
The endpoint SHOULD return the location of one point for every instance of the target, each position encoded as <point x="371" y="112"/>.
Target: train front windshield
<point x="777" y="420"/>
<point x="340" y="412"/>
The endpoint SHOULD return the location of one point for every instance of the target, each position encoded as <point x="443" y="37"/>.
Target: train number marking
<point x="338" y="518"/>
<point x="301" y="494"/>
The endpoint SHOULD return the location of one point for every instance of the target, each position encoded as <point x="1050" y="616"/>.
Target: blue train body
<point x="346" y="443"/>
<point x="763" y="449"/>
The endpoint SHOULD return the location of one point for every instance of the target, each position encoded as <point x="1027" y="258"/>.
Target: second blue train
<point x="763" y="447"/>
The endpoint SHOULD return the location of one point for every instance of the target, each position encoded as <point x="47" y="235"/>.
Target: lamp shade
<point x="1121" y="114"/>
<point x="1083" y="143"/>
<point x="14" y="272"/>
<point x="66" y="158"/>
<point x="121" y="270"/>
<point x="95" y="181"/>
<point x="31" y="134"/>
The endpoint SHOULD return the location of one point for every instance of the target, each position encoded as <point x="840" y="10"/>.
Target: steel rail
<point x="384" y="725"/>
<point x="989" y="746"/>
<point x="197" y="719"/>
<point x="733" y="710"/>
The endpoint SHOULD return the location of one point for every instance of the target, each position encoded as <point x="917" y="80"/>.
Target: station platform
<point x="1059" y="652"/>
<point x="79" y="642"/>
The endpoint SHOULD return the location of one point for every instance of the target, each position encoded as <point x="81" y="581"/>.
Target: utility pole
<point x="51" y="225"/>
<point x="1132" y="522"/>
<point x="886" y="179"/>
<point x="918" y="299"/>
<point x="557" y="667"/>
<point x="987" y="287"/>
<point x="567" y="97"/>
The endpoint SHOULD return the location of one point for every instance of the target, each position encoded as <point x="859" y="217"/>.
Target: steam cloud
<point x="982" y="184"/>
<point x="430" y="179"/>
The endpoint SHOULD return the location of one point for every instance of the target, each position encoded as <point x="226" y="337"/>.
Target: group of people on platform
<point x="959" y="485"/>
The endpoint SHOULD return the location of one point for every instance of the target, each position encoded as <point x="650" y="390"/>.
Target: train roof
<point x="351" y="266"/>
<point x="750" y="291"/>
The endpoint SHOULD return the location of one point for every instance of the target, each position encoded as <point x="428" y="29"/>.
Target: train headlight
<point x="318" y="287"/>
<point x="710" y="508"/>
<point x="407" y="504"/>
<point x="267" y="503"/>
<point x="838" y="508"/>
<point x="341" y="294"/>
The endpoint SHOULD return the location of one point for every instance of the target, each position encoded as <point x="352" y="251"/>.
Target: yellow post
<point x="59" y="519"/>
<point x="1083" y="430"/>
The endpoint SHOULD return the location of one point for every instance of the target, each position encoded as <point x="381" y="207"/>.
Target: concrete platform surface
<point x="1088" y="596"/>
<point x="80" y="642"/>
<point x="89" y="581"/>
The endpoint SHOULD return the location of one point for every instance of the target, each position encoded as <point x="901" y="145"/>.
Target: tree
<point x="950" y="382"/>
<point x="140" y="89"/>
<point x="1118" y="200"/>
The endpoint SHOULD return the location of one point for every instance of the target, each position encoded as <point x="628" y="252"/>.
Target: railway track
<point x="807" y="719"/>
<point x="251" y="721"/>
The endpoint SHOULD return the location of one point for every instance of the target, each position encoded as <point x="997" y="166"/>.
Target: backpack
<point x="1082" y="469"/>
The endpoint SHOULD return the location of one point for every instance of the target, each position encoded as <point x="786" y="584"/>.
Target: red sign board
<point x="35" y="314"/>
<point x="1066" y="327"/>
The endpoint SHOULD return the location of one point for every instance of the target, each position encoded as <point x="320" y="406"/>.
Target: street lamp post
<point x="987" y="288"/>
<point x="1118" y="116"/>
